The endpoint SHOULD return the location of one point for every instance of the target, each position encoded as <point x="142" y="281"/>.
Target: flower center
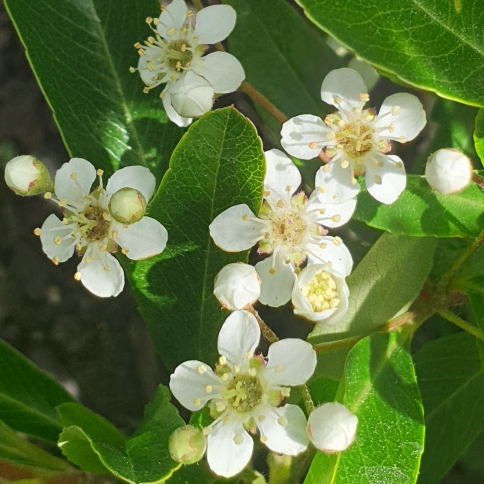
<point x="288" y="228"/>
<point x="355" y="139"/>
<point x="92" y="223"/>
<point x="178" y="55"/>
<point x="243" y="393"/>
<point x="321" y="292"/>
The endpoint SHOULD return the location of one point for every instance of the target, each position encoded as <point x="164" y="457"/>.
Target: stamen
<point x="73" y="176"/>
<point x="336" y="218"/>
<point x="55" y="260"/>
<point x="57" y="240"/>
<point x="196" y="402"/>
<point x="171" y="31"/>
<point x="272" y="271"/>
<point x="313" y="145"/>
<point x="264" y="439"/>
<point x="261" y="418"/>
<point x="37" y="232"/>
<point x="209" y="388"/>
<point x="395" y="110"/>
<point x="107" y="268"/>
<point x="201" y="369"/>
<point x="77" y="276"/>
<point x="364" y="97"/>
<point x="377" y="179"/>
<point x="47" y="195"/>
<point x="337" y="240"/>
<point x="238" y="439"/>
<point x="345" y="164"/>
<point x="391" y="128"/>
<point x="282" y="421"/>
<point x="137" y="45"/>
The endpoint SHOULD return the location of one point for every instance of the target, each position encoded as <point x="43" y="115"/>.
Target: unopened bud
<point x="27" y="176"/>
<point x="332" y="427"/>
<point x="187" y="444"/>
<point x="127" y="206"/>
<point x="237" y="286"/>
<point x="448" y="171"/>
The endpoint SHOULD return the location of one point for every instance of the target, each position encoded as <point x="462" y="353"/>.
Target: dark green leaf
<point x="28" y="396"/>
<point x="381" y="390"/>
<point x="429" y="44"/>
<point x="451" y="381"/>
<point x="479" y="135"/>
<point x="219" y="163"/>
<point x="80" y="52"/>
<point x="420" y="211"/>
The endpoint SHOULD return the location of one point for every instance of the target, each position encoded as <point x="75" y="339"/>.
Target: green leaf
<point x="80" y="52"/>
<point x="479" y="135"/>
<point x="28" y="396"/>
<point x="389" y="277"/>
<point x="219" y="163"/>
<point x="380" y="388"/>
<point x="143" y="458"/>
<point x="451" y="381"/>
<point x="420" y="211"/>
<point x="428" y="44"/>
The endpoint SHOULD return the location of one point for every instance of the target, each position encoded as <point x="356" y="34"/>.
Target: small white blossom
<point x="332" y="427"/>
<point x="320" y="294"/>
<point x="26" y="176"/>
<point x="244" y="393"/>
<point x="89" y="229"/>
<point x="448" y="171"/>
<point x="237" y="286"/>
<point x="289" y="227"/>
<point x="355" y="140"/>
<point x="174" y="56"/>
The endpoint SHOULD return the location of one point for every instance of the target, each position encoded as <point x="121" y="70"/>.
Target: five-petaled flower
<point x="89" y="228"/>
<point x="244" y="394"/>
<point x="175" y="57"/>
<point x="289" y="227"/>
<point x="355" y="140"/>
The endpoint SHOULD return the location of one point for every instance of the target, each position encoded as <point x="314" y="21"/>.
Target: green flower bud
<point x="127" y="206"/>
<point x="187" y="444"/>
<point x="27" y="176"/>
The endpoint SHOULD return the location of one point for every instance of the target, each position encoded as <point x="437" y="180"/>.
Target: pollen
<point x="57" y="240"/>
<point x="364" y="97"/>
<point x="399" y="164"/>
<point x="222" y="360"/>
<point x="196" y="402"/>
<point x="337" y="240"/>
<point x="77" y="276"/>
<point x="282" y="421"/>
<point x="37" y="232"/>
<point x="47" y="195"/>
<point x="321" y="292"/>
<point x="201" y="369"/>
<point x="171" y="31"/>
<point x="146" y="90"/>
<point x="336" y="218"/>
<point x="137" y="45"/>
<point x="313" y="145"/>
<point x="345" y="164"/>
<point x="402" y="139"/>
<point x="73" y="176"/>
<point x="272" y="271"/>
<point x="55" y="260"/>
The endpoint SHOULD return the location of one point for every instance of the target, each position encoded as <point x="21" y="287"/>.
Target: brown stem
<point x="267" y="332"/>
<point x="478" y="179"/>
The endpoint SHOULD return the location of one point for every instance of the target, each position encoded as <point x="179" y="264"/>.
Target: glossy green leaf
<point x="389" y="277"/>
<point x="143" y="458"/>
<point x="28" y="396"/>
<point x="451" y="381"/>
<point x="219" y="163"/>
<point x="80" y="52"/>
<point x="420" y="211"/>
<point x="429" y="44"/>
<point x="479" y="135"/>
<point x="380" y="388"/>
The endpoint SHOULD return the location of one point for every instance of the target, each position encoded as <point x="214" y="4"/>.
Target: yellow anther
<point x="195" y="39"/>
<point x="190" y="13"/>
<point x="209" y="388"/>
<point x="48" y="195"/>
<point x="326" y="168"/>
<point x="377" y="179"/>
<point x="272" y="271"/>
<point x="336" y="100"/>
<point x="99" y="172"/>
<point x="196" y="402"/>
<point x="337" y="240"/>
<point x="313" y="145"/>
<point x="345" y="164"/>
<point x="178" y="66"/>
<point x="55" y="260"/>
<point x="264" y="439"/>
<point x="402" y="139"/>
<point x="391" y="128"/>
<point x="336" y="218"/>
<point x="173" y="77"/>
<point x="285" y="392"/>
<point x="37" y="231"/>
<point x="238" y="439"/>
<point x="399" y="164"/>
<point x="201" y="369"/>
<point x="107" y="268"/>
<point x="88" y="259"/>
<point x="323" y="245"/>
<point x="156" y="21"/>
<point x="245" y="217"/>
<point x="266" y="193"/>
<point x="322" y="189"/>
<point x="149" y="20"/>
<point x="395" y="110"/>
<point x="171" y="31"/>
<point x="73" y="176"/>
<point x="280" y="203"/>
<point x="132" y="69"/>
<point x="146" y="90"/>
<point x="151" y="39"/>
<point x="282" y="421"/>
<point x="57" y="240"/>
<point x="125" y="251"/>
<point x="141" y="52"/>
<point x="62" y="202"/>
<point x="354" y="181"/>
<point x="222" y="360"/>
<point x="288" y="188"/>
<point x="162" y="95"/>
<point x="322" y="211"/>
<point x="261" y="418"/>
<point x="364" y="97"/>
<point x="137" y="45"/>
<point x="77" y="276"/>
<point x="183" y="48"/>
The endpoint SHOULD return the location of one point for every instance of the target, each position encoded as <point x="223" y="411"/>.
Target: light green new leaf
<point x="80" y="52"/>
<point x="28" y="396"/>
<point x="388" y="278"/>
<point x="451" y="380"/>
<point x="479" y="135"/>
<point x="430" y="44"/>
<point x="219" y="163"/>
<point x="420" y="211"/>
<point x="380" y="388"/>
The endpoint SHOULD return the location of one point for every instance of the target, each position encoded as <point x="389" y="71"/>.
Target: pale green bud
<point x="187" y="444"/>
<point x="127" y="206"/>
<point x="27" y="176"/>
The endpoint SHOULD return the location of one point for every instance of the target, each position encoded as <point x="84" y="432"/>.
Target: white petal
<point x="448" y="171"/>
<point x="51" y="228"/>
<point x="333" y="252"/>
<point x="214" y="23"/>
<point x="150" y="78"/>
<point x="277" y="279"/>
<point x="143" y="239"/>
<point x="283" y="368"/>
<point x="369" y="75"/>
<point x="172" y="114"/>
<point x="222" y="70"/>
<point x="224" y="456"/>
<point x="334" y="215"/>
<point x="343" y="84"/>
<point x="188" y="384"/>
<point x="332" y="427"/>
<point x="335" y="183"/>
<point x="22" y="173"/>
<point x="386" y="182"/>
<point x="191" y="95"/>
<point x="409" y="121"/>
<point x="281" y="174"/>
<point x="291" y="437"/>
<point x="74" y="179"/>
<point x="137" y="177"/>
<point x="173" y="16"/>
<point x="103" y="275"/>
<point x="235" y="229"/>
<point x="238" y="338"/>
<point x="301" y="131"/>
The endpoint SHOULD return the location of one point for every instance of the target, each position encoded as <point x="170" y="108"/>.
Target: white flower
<point x="237" y="286"/>
<point x="89" y="229"/>
<point x="355" y="140"/>
<point x="244" y="393"/>
<point x="26" y="176"/>
<point x="175" y="57"/>
<point x="448" y="171"/>
<point x="320" y="294"/>
<point x="332" y="427"/>
<point x="289" y="226"/>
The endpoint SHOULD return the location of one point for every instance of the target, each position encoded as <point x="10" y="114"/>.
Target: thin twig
<point x="446" y="314"/>
<point x="267" y="332"/>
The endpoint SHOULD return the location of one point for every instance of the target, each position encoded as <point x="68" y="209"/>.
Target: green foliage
<point x="479" y="135"/>
<point x="380" y="388"/>
<point x="430" y="45"/>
